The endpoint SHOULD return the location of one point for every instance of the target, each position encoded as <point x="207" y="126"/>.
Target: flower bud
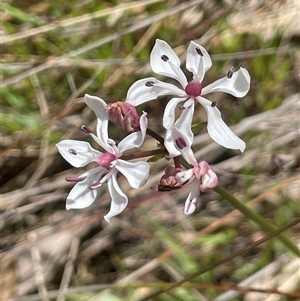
<point x="124" y="115"/>
<point x="169" y="181"/>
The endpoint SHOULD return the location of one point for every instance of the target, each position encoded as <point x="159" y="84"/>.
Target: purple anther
<point x="180" y="143"/>
<point x="164" y="58"/>
<point x="199" y="51"/>
<point x="72" y="151"/>
<point x="149" y="84"/>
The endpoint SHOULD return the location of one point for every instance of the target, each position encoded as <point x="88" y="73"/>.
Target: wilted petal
<point x="98" y="106"/>
<point x="136" y="173"/>
<point x="238" y="85"/>
<point x="150" y="88"/>
<point x="135" y="139"/>
<point x="191" y="201"/>
<point x="77" y="153"/>
<point x="119" y="200"/>
<point x="169" y="113"/>
<point x="81" y="196"/>
<point x="198" y="60"/>
<point x="220" y="132"/>
<point x="170" y="66"/>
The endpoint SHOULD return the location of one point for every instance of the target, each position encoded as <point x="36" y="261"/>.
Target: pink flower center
<point x="104" y="160"/>
<point x="194" y="88"/>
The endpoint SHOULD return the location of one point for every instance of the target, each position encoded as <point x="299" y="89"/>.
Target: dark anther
<point x="149" y="84"/>
<point x="86" y="129"/>
<point x="164" y="58"/>
<point x="180" y="143"/>
<point x="230" y="72"/>
<point x="199" y="51"/>
<point x="214" y="103"/>
<point x="72" y="151"/>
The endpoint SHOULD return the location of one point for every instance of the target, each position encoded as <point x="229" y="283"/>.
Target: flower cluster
<point x="178" y="138"/>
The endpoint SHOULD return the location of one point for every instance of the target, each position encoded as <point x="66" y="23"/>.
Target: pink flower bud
<point x="124" y="115"/>
<point x="169" y="181"/>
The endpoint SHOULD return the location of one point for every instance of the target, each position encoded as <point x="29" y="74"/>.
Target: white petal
<point x="119" y="200"/>
<point x="220" y="132"/>
<point x="98" y="105"/>
<point x="186" y="151"/>
<point x="238" y="85"/>
<point x="196" y="63"/>
<point x="169" y="113"/>
<point x="136" y="173"/>
<point x="191" y="201"/>
<point x="141" y="91"/>
<point x="81" y="196"/>
<point x="135" y="139"/>
<point x="184" y="176"/>
<point x="184" y="123"/>
<point x="169" y="145"/>
<point x="171" y="67"/>
<point x="84" y="152"/>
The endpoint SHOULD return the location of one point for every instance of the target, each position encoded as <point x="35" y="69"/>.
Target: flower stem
<point x="155" y="135"/>
<point x="258" y="219"/>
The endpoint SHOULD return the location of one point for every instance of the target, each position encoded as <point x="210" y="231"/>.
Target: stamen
<point x="199" y="51"/>
<point x="86" y="129"/>
<point x="214" y="103"/>
<point x="72" y="151"/>
<point x="95" y="185"/>
<point x="73" y="179"/>
<point x="149" y="84"/>
<point x="230" y="72"/>
<point x="164" y="58"/>
<point x="180" y="143"/>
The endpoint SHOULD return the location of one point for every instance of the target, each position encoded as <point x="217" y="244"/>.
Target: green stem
<point x="258" y="219"/>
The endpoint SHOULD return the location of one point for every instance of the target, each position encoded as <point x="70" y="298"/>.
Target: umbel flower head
<point x="164" y="61"/>
<point x="80" y="153"/>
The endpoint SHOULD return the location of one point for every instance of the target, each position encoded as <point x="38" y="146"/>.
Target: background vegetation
<point x="53" y="52"/>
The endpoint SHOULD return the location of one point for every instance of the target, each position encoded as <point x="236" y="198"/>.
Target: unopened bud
<point x="124" y="115"/>
<point x="169" y="181"/>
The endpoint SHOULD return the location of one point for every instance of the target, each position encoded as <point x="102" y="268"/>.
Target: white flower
<point x="164" y="61"/>
<point x="80" y="153"/>
<point x="201" y="175"/>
